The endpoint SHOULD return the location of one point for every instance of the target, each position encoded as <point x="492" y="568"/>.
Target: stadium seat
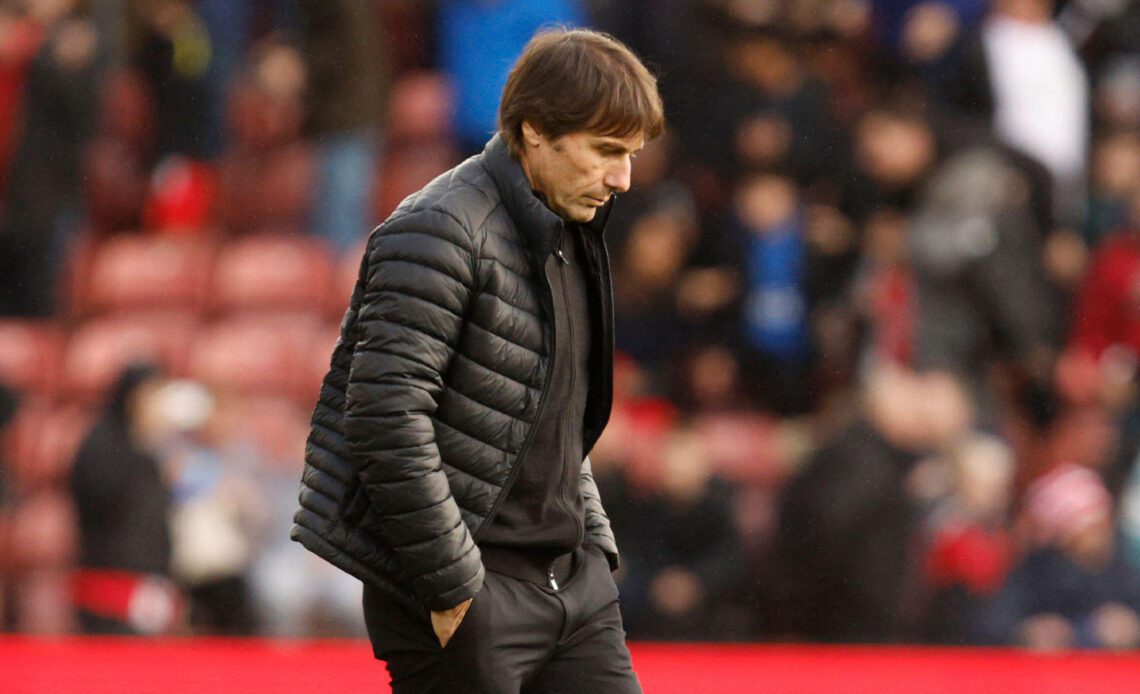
<point x="30" y="353"/>
<point x="42" y="597"/>
<point x="98" y="350"/>
<point x="134" y="272"/>
<point x="276" y="271"/>
<point x="419" y="139"/>
<point x="255" y="355"/>
<point x="43" y="442"/>
<point x="115" y="185"/>
<point x="270" y="189"/>
<point x="420" y="108"/>
<point x="408" y="168"/>
<point x="180" y="197"/>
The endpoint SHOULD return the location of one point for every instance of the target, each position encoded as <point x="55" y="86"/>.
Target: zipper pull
<point x="550" y="576"/>
<point x="561" y="237"/>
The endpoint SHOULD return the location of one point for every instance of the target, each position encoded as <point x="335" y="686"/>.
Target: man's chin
<point x="579" y="214"/>
<point x="584" y="214"/>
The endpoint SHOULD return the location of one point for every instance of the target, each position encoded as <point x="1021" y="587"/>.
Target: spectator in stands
<point x="968" y="549"/>
<point x="1074" y="590"/>
<point x="1118" y="88"/>
<point x="982" y="294"/>
<point x="43" y="203"/>
<point x="216" y="510"/>
<point x="1106" y="323"/>
<point x="914" y="28"/>
<point x="1040" y="95"/>
<point x="170" y="46"/>
<point x="653" y="239"/>
<point x="665" y="290"/>
<point x="1099" y="366"/>
<point x="122" y="502"/>
<point x="772" y="112"/>
<point x="848" y="520"/>
<point x="883" y="290"/>
<point x="775" y="314"/>
<point x="117" y="162"/>
<point x="231" y="29"/>
<point x="894" y="150"/>
<point x="344" y="49"/>
<point x="1115" y="171"/>
<point x="684" y="577"/>
<point x="266" y="179"/>
<point x="478" y="43"/>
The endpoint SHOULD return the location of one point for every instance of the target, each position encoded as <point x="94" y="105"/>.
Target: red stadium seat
<point x="180" y="197"/>
<point x="261" y="355"/>
<point x="30" y="353"/>
<point x="115" y="185"/>
<point x="42" y="597"/>
<point x="266" y="189"/>
<point x="272" y="272"/>
<point x="420" y="108"/>
<point x="408" y="168"/>
<point x="43" y="442"/>
<point x="128" y="273"/>
<point x="98" y="350"/>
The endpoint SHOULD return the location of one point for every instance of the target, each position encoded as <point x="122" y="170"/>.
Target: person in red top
<point x="1100" y="361"/>
<point x="1108" y="304"/>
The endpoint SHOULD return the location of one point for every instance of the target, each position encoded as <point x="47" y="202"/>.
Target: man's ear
<point x="531" y="136"/>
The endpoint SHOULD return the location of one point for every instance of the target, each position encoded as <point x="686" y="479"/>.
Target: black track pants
<point x="517" y="638"/>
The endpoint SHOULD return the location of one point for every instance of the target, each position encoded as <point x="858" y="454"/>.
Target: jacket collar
<point x="537" y="221"/>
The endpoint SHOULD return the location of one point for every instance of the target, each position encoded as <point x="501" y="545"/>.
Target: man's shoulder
<point x="463" y="197"/>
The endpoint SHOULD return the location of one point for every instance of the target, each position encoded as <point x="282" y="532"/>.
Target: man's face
<point x="578" y="172"/>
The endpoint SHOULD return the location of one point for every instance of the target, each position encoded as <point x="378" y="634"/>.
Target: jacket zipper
<point x="537" y="416"/>
<point x="579" y="529"/>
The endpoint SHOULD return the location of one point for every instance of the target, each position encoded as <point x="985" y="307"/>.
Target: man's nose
<point x="617" y="177"/>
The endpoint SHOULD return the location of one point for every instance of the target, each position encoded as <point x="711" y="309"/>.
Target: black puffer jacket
<point x="437" y="378"/>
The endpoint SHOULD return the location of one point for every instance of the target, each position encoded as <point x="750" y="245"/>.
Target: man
<point x="447" y="463"/>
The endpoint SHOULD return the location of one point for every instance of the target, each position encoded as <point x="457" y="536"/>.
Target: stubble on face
<point x="577" y="173"/>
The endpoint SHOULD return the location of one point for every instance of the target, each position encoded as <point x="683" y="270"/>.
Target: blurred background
<point x="878" y="306"/>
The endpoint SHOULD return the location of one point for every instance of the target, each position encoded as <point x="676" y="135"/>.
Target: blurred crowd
<point x="877" y="301"/>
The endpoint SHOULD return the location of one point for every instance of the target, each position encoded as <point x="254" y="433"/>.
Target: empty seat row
<point x="278" y="354"/>
<point x="129" y="273"/>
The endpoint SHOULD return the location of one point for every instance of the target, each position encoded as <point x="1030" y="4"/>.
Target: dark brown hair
<point x="575" y="80"/>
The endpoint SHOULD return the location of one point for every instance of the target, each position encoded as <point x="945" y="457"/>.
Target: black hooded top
<point x="121" y="499"/>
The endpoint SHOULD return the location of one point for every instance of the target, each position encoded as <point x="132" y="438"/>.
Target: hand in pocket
<point x="446" y="622"/>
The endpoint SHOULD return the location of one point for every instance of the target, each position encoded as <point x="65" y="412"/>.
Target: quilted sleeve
<point x="419" y="281"/>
